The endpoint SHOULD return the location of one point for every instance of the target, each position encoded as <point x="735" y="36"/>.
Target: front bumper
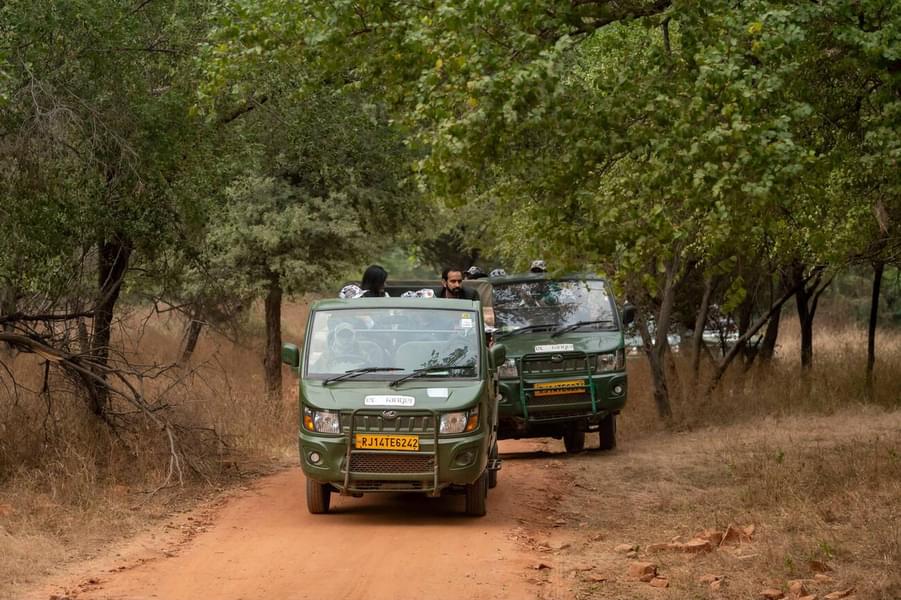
<point x="443" y="460"/>
<point x="522" y="412"/>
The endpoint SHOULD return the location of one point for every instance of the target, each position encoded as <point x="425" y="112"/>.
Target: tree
<point x="646" y="139"/>
<point x="330" y="192"/>
<point x="99" y="149"/>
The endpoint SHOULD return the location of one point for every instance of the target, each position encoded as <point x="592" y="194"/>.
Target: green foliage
<point x="99" y="143"/>
<point x="269" y="228"/>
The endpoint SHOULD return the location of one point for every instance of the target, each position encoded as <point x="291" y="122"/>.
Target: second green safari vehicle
<point x="565" y="368"/>
<point x="397" y="395"/>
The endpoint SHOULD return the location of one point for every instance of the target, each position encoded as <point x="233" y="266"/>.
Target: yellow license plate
<point x="560" y="388"/>
<point x="380" y="441"/>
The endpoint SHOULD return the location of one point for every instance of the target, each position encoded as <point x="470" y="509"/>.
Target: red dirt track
<point x="262" y="544"/>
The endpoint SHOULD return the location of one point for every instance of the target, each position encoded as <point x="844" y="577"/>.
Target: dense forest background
<point x="212" y="163"/>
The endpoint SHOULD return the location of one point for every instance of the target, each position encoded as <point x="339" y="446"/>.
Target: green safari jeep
<point x="565" y="371"/>
<point x="397" y="395"/>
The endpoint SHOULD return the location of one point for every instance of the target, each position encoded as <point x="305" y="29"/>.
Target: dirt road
<point x="559" y="527"/>
<point x="262" y="544"/>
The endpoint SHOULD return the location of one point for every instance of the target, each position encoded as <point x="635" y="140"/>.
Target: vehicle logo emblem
<point x="389" y="414"/>
<point x="557" y="358"/>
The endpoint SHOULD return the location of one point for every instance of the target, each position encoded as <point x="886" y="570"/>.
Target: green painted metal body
<point x="522" y="413"/>
<point x="437" y="464"/>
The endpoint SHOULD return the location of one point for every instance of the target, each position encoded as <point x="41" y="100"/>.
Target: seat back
<point x="415" y="355"/>
<point x="375" y="354"/>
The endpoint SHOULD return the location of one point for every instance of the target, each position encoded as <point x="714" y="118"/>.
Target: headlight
<point x="321" y="421"/>
<point x="458" y="422"/>
<point x="508" y="370"/>
<point x="610" y="362"/>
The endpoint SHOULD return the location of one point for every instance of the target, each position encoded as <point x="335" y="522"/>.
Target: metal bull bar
<point x="350" y="439"/>
<point x="526" y="391"/>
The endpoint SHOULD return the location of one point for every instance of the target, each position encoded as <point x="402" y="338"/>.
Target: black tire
<point x="492" y="475"/>
<point x="319" y="496"/>
<point x="574" y="440"/>
<point x="476" y="496"/>
<point x="607" y="433"/>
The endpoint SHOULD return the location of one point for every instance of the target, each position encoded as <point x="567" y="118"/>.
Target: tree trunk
<point x="806" y="322"/>
<point x="878" y="268"/>
<point x="807" y="299"/>
<point x="768" y="346"/>
<point x="7" y="307"/>
<point x="754" y="328"/>
<point x="112" y="265"/>
<point x="84" y="340"/>
<point x="745" y="314"/>
<point x="190" y="337"/>
<point x="658" y="374"/>
<point x="272" y="362"/>
<point x="656" y="349"/>
<point x="697" y="338"/>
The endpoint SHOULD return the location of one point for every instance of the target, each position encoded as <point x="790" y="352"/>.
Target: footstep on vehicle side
<point x="397" y="395"/>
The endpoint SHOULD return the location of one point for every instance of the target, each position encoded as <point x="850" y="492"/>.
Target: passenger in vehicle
<point x="452" y="285"/>
<point x="538" y="266"/>
<point x="373" y="283"/>
<point x="474" y="272"/>
<point x="346" y="350"/>
<point x="351" y="290"/>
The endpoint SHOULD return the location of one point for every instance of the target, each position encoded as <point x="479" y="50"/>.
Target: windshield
<point x="402" y="339"/>
<point x="553" y="304"/>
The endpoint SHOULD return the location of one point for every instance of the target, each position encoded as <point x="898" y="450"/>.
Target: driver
<point x="344" y="350"/>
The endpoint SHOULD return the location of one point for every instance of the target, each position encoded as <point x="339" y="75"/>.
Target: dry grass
<point x="814" y="462"/>
<point x="836" y="380"/>
<point x="69" y="484"/>
<point x="820" y="488"/>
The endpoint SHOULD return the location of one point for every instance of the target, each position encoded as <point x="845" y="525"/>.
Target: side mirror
<point x="498" y="355"/>
<point x="628" y="314"/>
<point x="291" y="355"/>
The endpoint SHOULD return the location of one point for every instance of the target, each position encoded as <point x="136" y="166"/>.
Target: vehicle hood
<point x="590" y="342"/>
<point x="433" y="394"/>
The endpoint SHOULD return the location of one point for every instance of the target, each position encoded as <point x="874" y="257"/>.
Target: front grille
<point x="371" y="462"/>
<point x="557" y="400"/>
<point x="540" y="414"/>
<point x="381" y="485"/>
<point x="569" y="364"/>
<point x="376" y="423"/>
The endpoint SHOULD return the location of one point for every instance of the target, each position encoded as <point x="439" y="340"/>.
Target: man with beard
<point x="452" y="285"/>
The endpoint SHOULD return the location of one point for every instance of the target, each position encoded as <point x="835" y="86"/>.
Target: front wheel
<point x="574" y="440"/>
<point x="476" y="496"/>
<point x="607" y="433"/>
<point x="319" y="496"/>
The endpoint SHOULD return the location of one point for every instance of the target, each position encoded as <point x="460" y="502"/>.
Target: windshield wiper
<point x="354" y="372"/>
<point x="525" y="328"/>
<point x="426" y="371"/>
<point x="578" y="324"/>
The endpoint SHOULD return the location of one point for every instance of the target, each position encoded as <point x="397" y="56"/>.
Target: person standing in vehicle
<point x="373" y="283"/>
<point x="452" y="285"/>
<point x="474" y="272"/>
<point x="538" y="266"/>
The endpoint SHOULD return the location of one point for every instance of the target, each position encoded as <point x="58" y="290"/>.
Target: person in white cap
<point x="474" y="272"/>
<point x="538" y="266"/>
